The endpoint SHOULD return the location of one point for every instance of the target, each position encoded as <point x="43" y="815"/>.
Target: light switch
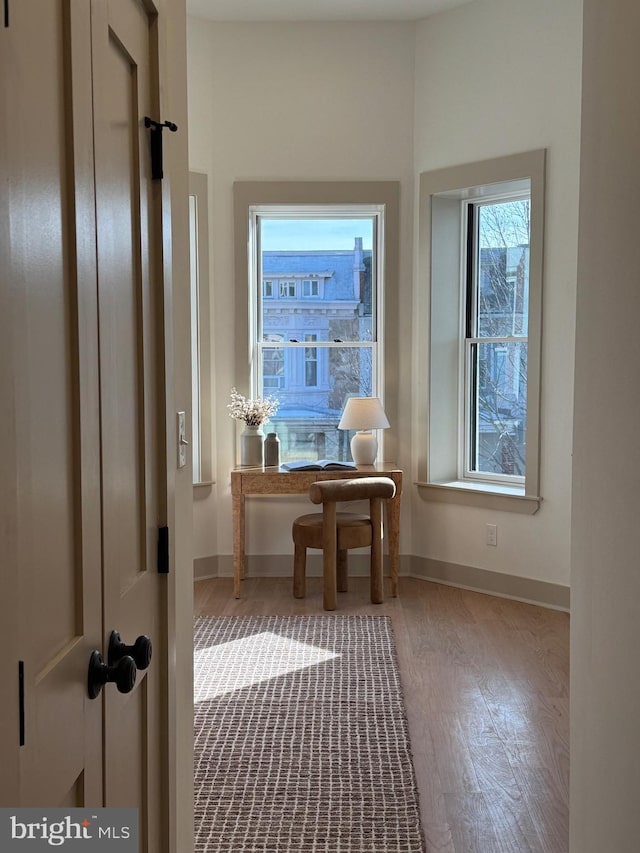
<point x="182" y="440"/>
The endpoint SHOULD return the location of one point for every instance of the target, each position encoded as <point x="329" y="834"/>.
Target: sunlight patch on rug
<point x="240" y="663"/>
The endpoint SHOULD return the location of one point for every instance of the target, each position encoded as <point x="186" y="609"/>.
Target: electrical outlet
<point x="492" y="534"/>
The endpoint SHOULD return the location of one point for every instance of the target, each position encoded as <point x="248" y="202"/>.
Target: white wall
<point x="605" y="641"/>
<point x="278" y="101"/>
<point x="292" y="101"/>
<point x="498" y="77"/>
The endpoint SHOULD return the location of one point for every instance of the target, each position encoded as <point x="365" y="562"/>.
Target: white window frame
<point x="322" y="193"/>
<point x="201" y="410"/>
<point x="465" y="471"/>
<point x="439" y="421"/>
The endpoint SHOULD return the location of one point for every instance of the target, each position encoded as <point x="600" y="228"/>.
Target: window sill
<point x="486" y="495"/>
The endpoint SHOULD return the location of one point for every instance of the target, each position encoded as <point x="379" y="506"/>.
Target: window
<point x="481" y="230"/>
<point x="310" y="363"/>
<point x="496" y="309"/>
<point x="287" y="290"/>
<point x="343" y="245"/>
<point x="201" y="433"/>
<point x="328" y="248"/>
<point x="273" y="367"/>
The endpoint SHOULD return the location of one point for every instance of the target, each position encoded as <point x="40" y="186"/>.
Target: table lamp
<point x="363" y="414"/>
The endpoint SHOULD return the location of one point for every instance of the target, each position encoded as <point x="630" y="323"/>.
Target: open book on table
<point x="320" y="465"/>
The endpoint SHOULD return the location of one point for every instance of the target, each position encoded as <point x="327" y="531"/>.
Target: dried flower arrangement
<point x="252" y="411"/>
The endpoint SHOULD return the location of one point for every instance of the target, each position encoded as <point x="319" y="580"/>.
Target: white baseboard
<point x="529" y="590"/>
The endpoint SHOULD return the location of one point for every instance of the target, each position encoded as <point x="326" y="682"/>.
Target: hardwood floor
<point x="486" y="683"/>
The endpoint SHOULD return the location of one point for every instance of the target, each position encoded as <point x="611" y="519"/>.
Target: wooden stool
<point x="336" y="532"/>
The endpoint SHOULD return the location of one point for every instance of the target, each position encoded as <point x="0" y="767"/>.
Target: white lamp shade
<point x="363" y="413"/>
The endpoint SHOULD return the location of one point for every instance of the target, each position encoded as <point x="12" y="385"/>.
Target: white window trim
<point x="436" y="308"/>
<point x="202" y="430"/>
<point x="385" y="194"/>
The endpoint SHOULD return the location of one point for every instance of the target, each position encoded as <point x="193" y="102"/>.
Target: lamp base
<point x="364" y="447"/>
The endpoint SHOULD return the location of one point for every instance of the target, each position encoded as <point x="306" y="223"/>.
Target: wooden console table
<point x="275" y="481"/>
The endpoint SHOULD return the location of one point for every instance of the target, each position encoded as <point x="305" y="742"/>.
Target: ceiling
<point x="318" y="10"/>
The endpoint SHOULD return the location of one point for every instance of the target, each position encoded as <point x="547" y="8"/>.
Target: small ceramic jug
<point x="271" y="450"/>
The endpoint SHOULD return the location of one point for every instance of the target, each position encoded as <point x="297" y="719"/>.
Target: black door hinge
<point x="155" y="136"/>
<point x="21" y="700"/>
<point x="6" y="13"/>
<point x="163" y="550"/>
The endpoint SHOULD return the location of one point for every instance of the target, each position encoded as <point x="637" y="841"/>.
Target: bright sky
<point x="312" y="234"/>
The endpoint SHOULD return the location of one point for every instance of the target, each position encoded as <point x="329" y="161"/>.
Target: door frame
<point x="172" y="41"/>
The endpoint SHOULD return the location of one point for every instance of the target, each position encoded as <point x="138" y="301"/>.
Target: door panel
<point x="131" y="375"/>
<point x="120" y="330"/>
<point x="54" y="546"/>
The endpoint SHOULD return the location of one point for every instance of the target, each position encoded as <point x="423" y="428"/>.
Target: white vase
<point x="252" y="447"/>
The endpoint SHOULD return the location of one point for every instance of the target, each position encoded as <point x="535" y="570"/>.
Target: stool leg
<point x="343" y="571"/>
<point x="377" y="586"/>
<point x="329" y="547"/>
<point x="299" y="571"/>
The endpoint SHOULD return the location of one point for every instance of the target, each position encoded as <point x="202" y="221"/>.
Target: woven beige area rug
<point x="301" y="740"/>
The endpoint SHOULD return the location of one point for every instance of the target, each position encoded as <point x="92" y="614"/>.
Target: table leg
<point x="377" y="586"/>
<point x="393" y="531"/>
<point x="238" y="541"/>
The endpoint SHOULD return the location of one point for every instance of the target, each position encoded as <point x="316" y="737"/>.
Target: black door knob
<point x="123" y="674"/>
<point x="140" y="651"/>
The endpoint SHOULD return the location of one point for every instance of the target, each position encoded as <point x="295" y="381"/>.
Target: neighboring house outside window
<point x="325" y="298"/>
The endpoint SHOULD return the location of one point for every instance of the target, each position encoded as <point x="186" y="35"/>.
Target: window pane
<point x="310" y="369"/>
<point x="503" y="269"/>
<point x="499" y="410"/>
<point x="195" y="337"/>
<point x="321" y="273"/>
<point x="287" y="289"/>
<point x="311" y="363"/>
<point x="272" y="370"/>
<point x="309" y="411"/>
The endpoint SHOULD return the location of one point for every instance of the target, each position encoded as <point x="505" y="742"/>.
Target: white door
<point x="83" y="416"/>
<point x="130" y="294"/>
